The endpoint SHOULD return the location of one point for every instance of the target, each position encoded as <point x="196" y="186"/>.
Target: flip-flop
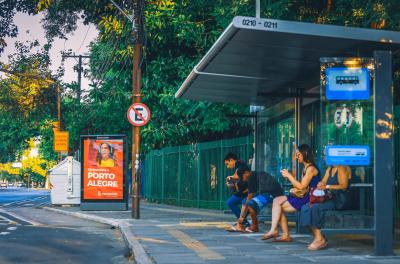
<point x="282" y="240"/>
<point x="266" y="237"/>
<point x="249" y="230"/>
<point x="233" y="229"/>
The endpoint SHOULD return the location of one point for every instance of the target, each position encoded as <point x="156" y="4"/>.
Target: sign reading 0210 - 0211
<point x="257" y="22"/>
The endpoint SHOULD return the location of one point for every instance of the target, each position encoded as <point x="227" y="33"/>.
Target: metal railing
<point x="192" y="175"/>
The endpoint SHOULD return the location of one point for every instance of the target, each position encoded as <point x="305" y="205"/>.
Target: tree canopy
<point x="176" y="35"/>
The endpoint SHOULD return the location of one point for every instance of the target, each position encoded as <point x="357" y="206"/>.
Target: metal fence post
<point x="220" y="177"/>
<point x="179" y="176"/>
<point x="198" y="173"/>
<point x="162" y="175"/>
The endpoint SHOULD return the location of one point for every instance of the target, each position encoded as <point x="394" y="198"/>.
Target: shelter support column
<point x="383" y="153"/>
<point x="295" y="166"/>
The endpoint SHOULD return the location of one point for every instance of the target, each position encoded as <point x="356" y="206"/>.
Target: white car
<point x="21" y="184"/>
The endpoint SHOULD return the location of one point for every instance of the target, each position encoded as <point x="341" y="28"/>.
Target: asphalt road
<point x="13" y="197"/>
<point x="29" y="234"/>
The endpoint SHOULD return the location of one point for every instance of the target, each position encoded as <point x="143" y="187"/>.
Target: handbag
<point x="299" y="193"/>
<point x="319" y="196"/>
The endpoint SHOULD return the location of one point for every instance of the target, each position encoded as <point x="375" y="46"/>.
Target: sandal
<point x="282" y="240"/>
<point x="266" y="237"/>
<point x="318" y="245"/>
<point x="235" y="228"/>
<point x="250" y="230"/>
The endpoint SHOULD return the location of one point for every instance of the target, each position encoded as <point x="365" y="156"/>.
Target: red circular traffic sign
<point x="138" y="114"/>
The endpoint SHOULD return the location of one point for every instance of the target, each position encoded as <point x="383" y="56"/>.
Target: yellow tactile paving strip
<point x="199" y="248"/>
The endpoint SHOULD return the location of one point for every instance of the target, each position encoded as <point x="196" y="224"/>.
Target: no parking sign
<point x="138" y="114"/>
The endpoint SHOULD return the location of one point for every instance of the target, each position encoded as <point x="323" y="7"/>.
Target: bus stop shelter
<point x="265" y="62"/>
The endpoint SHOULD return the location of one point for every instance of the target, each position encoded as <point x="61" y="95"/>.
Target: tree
<point x="177" y="34"/>
<point x="27" y="99"/>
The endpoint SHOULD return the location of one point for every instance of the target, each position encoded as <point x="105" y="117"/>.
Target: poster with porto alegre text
<point x="103" y="169"/>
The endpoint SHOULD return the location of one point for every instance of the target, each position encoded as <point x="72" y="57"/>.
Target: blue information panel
<point x="348" y="155"/>
<point x="347" y="84"/>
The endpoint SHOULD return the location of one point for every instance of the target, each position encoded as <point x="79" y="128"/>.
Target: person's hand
<point x="235" y="176"/>
<point x="321" y="186"/>
<point x="229" y="181"/>
<point x="285" y="173"/>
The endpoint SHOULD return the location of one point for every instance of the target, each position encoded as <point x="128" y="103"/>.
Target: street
<point x="29" y="234"/>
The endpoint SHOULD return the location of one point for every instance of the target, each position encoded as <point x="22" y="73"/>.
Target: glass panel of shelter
<point x="349" y="123"/>
<point x="321" y="126"/>
<point x="275" y="138"/>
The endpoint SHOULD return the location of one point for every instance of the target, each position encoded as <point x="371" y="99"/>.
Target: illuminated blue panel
<point x="347" y="84"/>
<point x="348" y="155"/>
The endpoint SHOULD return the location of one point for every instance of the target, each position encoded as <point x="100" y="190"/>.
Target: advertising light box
<point x="347" y="83"/>
<point x="103" y="169"/>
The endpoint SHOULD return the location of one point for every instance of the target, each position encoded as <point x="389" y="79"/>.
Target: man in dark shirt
<point x="262" y="189"/>
<point x="236" y="184"/>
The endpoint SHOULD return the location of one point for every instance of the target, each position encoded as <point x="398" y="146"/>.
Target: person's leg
<point x="286" y="208"/>
<point x="233" y="203"/>
<point x="253" y="211"/>
<point x="284" y="225"/>
<point x="319" y="242"/>
<point x="276" y="215"/>
<point x="312" y="231"/>
<point x="317" y="234"/>
<point x="317" y="220"/>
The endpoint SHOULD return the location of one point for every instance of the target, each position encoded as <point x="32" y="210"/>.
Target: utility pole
<point x="80" y="70"/>
<point x="136" y="19"/>
<point x="136" y="96"/>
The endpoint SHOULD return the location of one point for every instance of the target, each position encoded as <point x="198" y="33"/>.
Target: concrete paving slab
<point x="170" y="234"/>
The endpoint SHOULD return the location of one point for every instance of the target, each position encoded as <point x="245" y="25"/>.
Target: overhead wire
<point x="87" y="31"/>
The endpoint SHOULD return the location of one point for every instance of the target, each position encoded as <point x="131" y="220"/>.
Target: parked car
<point x="3" y="185"/>
<point x="21" y="184"/>
<point x="10" y="184"/>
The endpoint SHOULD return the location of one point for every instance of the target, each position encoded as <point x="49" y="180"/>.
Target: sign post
<point x="103" y="170"/>
<point x="138" y="115"/>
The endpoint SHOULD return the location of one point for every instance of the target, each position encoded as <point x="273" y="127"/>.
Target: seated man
<point x="262" y="189"/>
<point x="237" y="186"/>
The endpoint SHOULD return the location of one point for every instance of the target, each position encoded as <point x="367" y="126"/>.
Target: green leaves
<point x="177" y="34"/>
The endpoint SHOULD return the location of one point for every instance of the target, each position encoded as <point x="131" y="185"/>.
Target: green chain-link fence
<point x="192" y="175"/>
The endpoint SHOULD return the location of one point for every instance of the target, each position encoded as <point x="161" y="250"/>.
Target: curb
<point x="137" y="250"/>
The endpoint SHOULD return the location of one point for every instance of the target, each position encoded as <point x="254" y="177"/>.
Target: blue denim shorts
<point x="259" y="202"/>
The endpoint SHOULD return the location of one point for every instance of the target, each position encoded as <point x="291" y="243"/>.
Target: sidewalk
<point x="168" y="234"/>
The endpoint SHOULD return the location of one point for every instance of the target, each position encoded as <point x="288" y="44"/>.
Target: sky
<point x="30" y="28"/>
